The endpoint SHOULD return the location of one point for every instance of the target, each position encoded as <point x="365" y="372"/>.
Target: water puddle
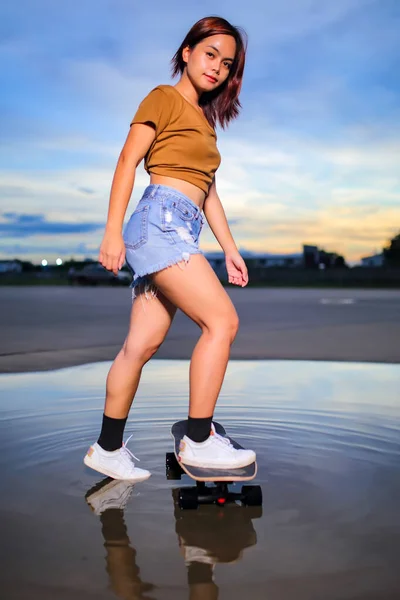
<point x="327" y="437"/>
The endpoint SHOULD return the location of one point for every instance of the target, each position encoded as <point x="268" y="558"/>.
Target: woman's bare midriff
<point x="191" y="191"/>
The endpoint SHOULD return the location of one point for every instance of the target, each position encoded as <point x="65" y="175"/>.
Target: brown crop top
<point x="185" y="143"/>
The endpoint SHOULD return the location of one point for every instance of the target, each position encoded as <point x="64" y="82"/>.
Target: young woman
<point x="174" y="131"/>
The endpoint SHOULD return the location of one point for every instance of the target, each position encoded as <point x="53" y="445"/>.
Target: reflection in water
<point x="108" y="500"/>
<point x="206" y="536"/>
<point x="211" y="535"/>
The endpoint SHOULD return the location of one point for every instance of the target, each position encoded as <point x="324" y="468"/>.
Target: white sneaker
<point x="109" y="494"/>
<point x="216" y="452"/>
<point x="117" y="464"/>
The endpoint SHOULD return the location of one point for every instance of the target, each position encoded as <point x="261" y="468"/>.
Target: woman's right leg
<point x="150" y="321"/>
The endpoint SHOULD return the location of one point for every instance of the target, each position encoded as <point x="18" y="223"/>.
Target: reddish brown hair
<point x="222" y="104"/>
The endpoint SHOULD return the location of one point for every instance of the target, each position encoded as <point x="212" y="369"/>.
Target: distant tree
<point x="339" y="262"/>
<point x="318" y="258"/>
<point x="327" y="259"/>
<point x="392" y="252"/>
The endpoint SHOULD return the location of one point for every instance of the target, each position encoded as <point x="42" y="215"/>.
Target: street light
<point x="59" y="262"/>
<point x="44" y="263"/>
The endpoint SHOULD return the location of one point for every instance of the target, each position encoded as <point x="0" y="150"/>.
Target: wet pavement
<point x="328" y="446"/>
<point x="48" y="327"/>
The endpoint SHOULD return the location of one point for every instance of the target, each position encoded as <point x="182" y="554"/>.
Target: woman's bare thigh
<point x="195" y="289"/>
<point x="151" y="318"/>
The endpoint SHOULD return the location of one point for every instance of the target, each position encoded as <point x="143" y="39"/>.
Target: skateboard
<point x="250" y="495"/>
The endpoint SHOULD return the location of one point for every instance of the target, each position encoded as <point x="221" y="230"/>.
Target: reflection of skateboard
<point x="250" y="495"/>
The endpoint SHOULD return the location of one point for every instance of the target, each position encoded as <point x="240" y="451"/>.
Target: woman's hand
<point x="112" y="251"/>
<point x="237" y="270"/>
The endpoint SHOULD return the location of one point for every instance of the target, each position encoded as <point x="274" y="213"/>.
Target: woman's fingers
<point x="114" y="265"/>
<point x="121" y="259"/>
<point x="112" y="252"/>
<point x="108" y="261"/>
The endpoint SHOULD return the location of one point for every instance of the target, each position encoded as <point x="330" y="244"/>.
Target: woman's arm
<point x="138" y="141"/>
<point x="216" y="218"/>
<point x="217" y="221"/>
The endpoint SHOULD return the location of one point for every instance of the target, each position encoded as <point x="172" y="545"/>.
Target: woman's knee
<point x="234" y="325"/>
<point x="140" y="352"/>
<point x="225" y="327"/>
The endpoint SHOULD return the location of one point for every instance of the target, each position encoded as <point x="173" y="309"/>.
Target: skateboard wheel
<point x="188" y="498"/>
<point x="172" y="467"/>
<point x="170" y="460"/>
<point x="173" y="475"/>
<point x="251" y="495"/>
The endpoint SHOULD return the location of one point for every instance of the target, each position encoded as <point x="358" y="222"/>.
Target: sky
<point x="314" y="157"/>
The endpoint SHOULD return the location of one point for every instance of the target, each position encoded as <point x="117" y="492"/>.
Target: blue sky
<point x="313" y="158"/>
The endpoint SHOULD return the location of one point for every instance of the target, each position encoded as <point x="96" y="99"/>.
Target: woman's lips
<point x="212" y="79"/>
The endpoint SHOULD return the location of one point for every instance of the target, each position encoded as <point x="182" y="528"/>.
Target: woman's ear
<point x="186" y="54"/>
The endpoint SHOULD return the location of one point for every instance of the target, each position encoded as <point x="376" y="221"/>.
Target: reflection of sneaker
<point x="117" y="464"/>
<point x="109" y="494"/>
<point x="216" y="452"/>
<point x="193" y="554"/>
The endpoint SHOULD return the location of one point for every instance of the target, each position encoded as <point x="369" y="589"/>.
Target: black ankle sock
<point x="198" y="430"/>
<point x="112" y="431"/>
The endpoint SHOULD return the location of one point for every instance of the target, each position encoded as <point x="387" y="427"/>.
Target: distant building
<point x="311" y="256"/>
<point x="10" y="266"/>
<point x="266" y="260"/>
<point x="376" y="260"/>
<point x="278" y="260"/>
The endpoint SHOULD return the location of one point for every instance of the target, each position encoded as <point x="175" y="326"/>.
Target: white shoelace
<point x="126" y="452"/>
<point x="220" y="437"/>
<point x="223" y="440"/>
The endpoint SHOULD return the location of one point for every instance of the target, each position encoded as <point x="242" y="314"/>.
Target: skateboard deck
<point x="206" y="474"/>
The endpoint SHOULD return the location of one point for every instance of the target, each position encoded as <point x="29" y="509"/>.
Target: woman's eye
<point x="228" y="65"/>
<point x="210" y="54"/>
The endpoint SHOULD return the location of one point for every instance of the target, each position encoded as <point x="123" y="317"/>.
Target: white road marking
<point x="337" y="301"/>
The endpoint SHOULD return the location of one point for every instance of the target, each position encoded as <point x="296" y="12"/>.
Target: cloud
<point x="61" y="194"/>
<point x="314" y="155"/>
<point x="24" y="251"/>
<point x="86" y="190"/>
<point x="16" y="225"/>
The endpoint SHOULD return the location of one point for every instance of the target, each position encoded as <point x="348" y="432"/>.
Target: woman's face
<point x="209" y="62"/>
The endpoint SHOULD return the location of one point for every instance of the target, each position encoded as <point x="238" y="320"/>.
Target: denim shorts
<point x="163" y="230"/>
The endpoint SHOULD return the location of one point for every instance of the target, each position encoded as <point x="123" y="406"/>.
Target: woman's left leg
<point x="196" y="290"/>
